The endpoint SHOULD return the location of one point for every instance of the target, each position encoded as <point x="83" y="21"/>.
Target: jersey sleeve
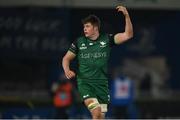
<point x="111" y="40"/>
<point x="74" y="48"/>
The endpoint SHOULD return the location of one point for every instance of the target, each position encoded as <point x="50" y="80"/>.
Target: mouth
<point x="85" y="33"/>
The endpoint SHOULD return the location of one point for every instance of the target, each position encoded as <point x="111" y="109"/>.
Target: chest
<point x="93" y="47"/>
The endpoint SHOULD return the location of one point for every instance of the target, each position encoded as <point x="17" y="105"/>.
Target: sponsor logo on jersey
<point x="83" y="46"/>
<point x="93" y="55"/>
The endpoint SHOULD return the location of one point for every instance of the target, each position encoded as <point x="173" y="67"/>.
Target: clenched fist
<point x="122" y="9"/>
<point x="70" y="74"/>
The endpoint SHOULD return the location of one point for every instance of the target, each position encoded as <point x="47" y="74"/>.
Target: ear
<point x="96" y="28"/>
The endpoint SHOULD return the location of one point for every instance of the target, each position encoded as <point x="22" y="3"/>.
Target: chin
<point x="86" y="35"/>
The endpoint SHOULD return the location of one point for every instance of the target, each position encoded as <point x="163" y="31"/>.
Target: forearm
<point x="128" y="25"/>
<point x="128" y="33"/>
<point x="66" y="64"/>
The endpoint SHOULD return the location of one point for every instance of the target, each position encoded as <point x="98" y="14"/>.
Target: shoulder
<point x="108" y="35"/>
<point x="80" y="39"/>
<point x="110" y="38"/>
<point x="103" y="34"/>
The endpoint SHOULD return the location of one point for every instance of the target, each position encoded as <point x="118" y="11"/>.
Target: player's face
<point x="89" y="30"/>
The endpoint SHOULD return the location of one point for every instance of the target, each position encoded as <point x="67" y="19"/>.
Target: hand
<point x="70" y="74"/>
<point x="122" y="9"/>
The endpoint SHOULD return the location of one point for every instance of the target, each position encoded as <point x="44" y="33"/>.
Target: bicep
<point x="120" y="38"/>
<point x="69" y="56"/>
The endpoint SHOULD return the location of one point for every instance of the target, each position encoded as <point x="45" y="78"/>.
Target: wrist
<point x="126" y="14"/>
<point x="66" y="70"/>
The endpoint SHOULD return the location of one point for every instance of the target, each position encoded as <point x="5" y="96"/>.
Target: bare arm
<point x="128" y="33"/>
<point x="66" y="63"/>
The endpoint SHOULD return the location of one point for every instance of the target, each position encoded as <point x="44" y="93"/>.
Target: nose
<point x="84" y="29"/>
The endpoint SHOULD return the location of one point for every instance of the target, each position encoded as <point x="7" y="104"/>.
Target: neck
<point x="94" y="36"/>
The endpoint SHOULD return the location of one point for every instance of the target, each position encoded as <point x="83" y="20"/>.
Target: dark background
<point x="33" y="41"/>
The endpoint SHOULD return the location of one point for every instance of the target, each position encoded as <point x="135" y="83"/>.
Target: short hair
<point x="93" y="19"/>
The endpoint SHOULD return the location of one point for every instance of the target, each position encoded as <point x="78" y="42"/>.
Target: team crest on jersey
<point x="102" y="44"/>
<point x="83" y="46"/>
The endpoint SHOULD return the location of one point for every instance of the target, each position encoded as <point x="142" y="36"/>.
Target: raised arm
<point x="66" y="63"/>
<point x="128" y="33"/>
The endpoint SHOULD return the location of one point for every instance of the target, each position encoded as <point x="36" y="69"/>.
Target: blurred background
<point x="35" y="35"/>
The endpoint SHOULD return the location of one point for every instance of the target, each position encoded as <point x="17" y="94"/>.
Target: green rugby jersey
<point x="92" y="56"/>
